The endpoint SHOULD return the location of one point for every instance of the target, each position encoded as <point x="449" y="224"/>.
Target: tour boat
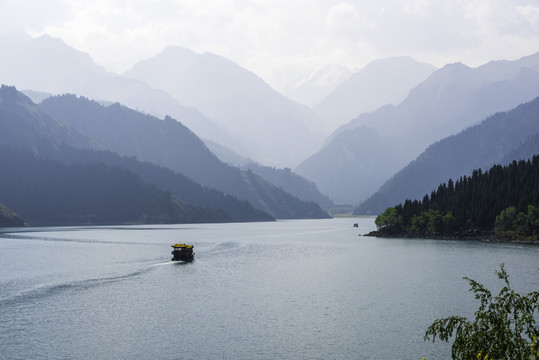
<point x="182" y="252"/>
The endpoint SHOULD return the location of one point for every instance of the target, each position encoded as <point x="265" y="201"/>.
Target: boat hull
<point x="182" y="252"/>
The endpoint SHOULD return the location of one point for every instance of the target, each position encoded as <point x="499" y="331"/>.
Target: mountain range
<point x="381" y="82"/>
<point x="45" y="66"/>
<point x="286" y="179"/>
<point x="49" y="65"/>
<point x="268" y="124"/>
<point x="170" y="144"/>
<point x="33" y="142"/>
<point x="46" y="192"/>
<point x="451" y="99"/>
<point x="206" y="99"/>
<point x="26" y="127"/>
<point x="499" y="139"/>
<point x="312" y="89"/>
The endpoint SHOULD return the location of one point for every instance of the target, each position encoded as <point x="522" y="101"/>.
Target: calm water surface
<point x="309" y="289"/>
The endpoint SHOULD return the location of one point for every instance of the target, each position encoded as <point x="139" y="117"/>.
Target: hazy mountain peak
<point x="393" y="61"/>
<point x="47" y="64"/>
<point x="456" y="68"/>
<point x="327" y="75"/>
<point x="451" y="99"/>
<point x="238" y="100"/>
<point x="479" y="146"/>
<point x="530" y="60"/>
<point x="381" y="82"/>
<point x="502" y="69"/>
<point x="56" y="49"/>
<point x="47" y="37"/>
<point x="175" y="51"/>
<point x="311" y="89"/>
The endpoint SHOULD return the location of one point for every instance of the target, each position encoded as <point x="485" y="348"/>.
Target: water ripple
<point x="44" y="291"/>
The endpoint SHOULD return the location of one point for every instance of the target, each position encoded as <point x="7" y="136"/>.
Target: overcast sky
<point x="283" y="39"/>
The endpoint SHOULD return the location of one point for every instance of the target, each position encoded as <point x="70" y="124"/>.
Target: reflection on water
<point x="288" y="289"/>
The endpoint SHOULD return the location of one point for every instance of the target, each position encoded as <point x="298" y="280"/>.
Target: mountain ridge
<point x="48" y="64"/>
<point x="450" y="100"/>
<point x="381" y="82"/>
<point x="169" y="144"/>
<point x="238" y="100"/>
<point x="49" y="193"/>
<point x="39" y="138"/>
<point x="479" y="146"/>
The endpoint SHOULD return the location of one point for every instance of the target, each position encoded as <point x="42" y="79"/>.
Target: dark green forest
<point x="502" y="202"/>
<point x="169" y="144"/>
<point x="46" y="192"/>
<point x="499" y="139"/>
<point x="24" y="126"/>
<point x="163" y="178"/>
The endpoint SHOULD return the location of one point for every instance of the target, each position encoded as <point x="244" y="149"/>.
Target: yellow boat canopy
<point x="182" y="246"/>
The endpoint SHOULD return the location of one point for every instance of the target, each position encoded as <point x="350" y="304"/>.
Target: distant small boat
<point x="182" y="252"/>
<point x="355" y="225"/>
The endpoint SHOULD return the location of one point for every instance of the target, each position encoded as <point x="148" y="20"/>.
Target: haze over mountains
<point x="268" y="124"/>
<point x="170" y="144"/>
<point x="499" y="139"/>
<point x="312" y="89"/>
<point x="381" y="82"/>
<point x="49" y="65"/>
<point x="25" y="127"/>
<point x="390" y="112"/>
<point x="451" y="99"/>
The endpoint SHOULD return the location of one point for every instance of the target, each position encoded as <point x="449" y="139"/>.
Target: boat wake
<point x="59" y="239"/>
<point x="163" y="263"/>
<point x="43" y="291"/>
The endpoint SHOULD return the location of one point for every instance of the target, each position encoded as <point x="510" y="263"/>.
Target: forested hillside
<point x="163" y="178"/>
<point x="24" y="126"/>
<point x="46" y="192"/>
<point x="452" y="99"/>
<point x="479" y="146"/>
<point x="286" y="179"/>
<point x="170" y="144"/>
<point x="504" y="198"/>
<point x="292" y="183"/>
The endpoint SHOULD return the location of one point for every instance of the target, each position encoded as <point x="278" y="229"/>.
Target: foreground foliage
<point x="523" y="224"/>
<point x="504" y="326"/>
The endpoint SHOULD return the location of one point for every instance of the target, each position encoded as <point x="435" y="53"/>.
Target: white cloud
<point x="280" y="39"/>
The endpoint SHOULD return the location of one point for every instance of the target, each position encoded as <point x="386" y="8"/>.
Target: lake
<point x="305" y="289"/>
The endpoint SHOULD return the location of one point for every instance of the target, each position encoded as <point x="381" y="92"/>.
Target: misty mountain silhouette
<point x="381" y="82"/>
<point x="499" y="139"/>
<point x="312" y="89"/>
<point x="286" y="179"/>
<point x="274" y="129"/>
<point x="48" y="64"/>
<point x="451" y="99"/>
<point x="48" y="192"/>
<point x="169" y="144"/>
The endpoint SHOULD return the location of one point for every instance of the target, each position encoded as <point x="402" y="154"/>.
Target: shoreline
<point x="474" y="235"/>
